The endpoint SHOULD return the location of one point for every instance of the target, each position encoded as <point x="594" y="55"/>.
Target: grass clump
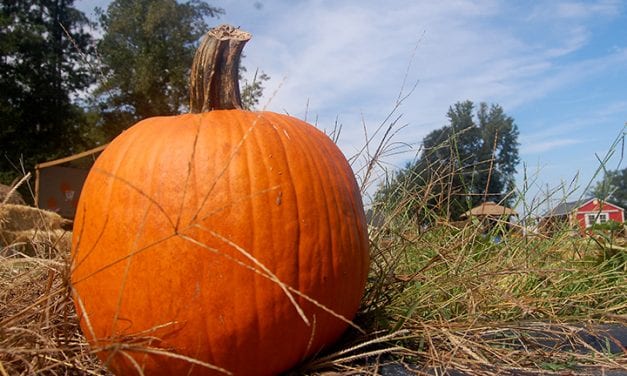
<point x="463" y="275"/>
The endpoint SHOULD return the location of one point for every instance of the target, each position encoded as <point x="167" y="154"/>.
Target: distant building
<point x="581" y="214"/>
<point x="492" y="214"/>
<point x="490" y="209"/>
<point x="58" y="183"/>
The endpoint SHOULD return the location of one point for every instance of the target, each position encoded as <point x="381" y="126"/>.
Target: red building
<point x="583" y="213"/>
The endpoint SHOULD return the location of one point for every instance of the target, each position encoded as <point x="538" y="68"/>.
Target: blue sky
<point x="559" y="68"/>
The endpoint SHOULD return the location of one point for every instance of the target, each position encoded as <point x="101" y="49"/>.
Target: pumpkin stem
<point x="214" y="81"/>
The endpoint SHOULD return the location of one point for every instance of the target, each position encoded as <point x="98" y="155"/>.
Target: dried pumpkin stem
<point x="214" y="81"/>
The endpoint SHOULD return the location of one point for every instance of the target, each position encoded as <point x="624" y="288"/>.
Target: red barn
<point x="584" y="213"/>
<point x="595" y="211"/>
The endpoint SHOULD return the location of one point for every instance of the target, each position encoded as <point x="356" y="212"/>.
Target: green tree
<point x="253" y="90"/>
<point x="470" y="160"/>
<point x="146" y="52"/>
<point x="43" y="65"/>
<point x="612" y="188"/>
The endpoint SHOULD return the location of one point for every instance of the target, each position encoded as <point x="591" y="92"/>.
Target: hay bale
<point x="14" y="197"/>
<point x="36" y="243"/>
<point x="21" y="218"/>
<point x="32" y="232"/>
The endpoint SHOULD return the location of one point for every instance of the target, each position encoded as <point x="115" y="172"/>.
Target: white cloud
<point x="348" y="59"/>
<point x="574" y="38"/>
<point x="612" y="109"/>
<point x="548" y="145"/>
<point x="587" y="9"/>
<point x="576" y="10"/>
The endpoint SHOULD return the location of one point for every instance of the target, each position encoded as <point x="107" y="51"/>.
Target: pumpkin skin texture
<point x="203" y="235"/>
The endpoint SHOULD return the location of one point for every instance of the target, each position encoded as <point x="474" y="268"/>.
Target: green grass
<point x="443" y="290"/>
<point x="460" y="275"/>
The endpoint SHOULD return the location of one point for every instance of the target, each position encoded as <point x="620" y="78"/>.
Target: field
<point x="443" y="298"/>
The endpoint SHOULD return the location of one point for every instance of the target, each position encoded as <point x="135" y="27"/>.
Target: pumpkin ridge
<point x="294" y="196"/>
<point x="130" y="141"/>
<point x="318" y="172"/>
<point x="341" y="168"/>
<point x="243" y="137"/>
<point x="112" y="174"/>
<point x="232" y="156"/>
<point x="333" y="195"/>
<point x="204" y="118"/>
<point x="191" y="208"/>
<point x="332" y="167"/>
<point x="262" y="146"/>
<point x="191" y="169"/>
<point x="287" y="199"/>
<point x="300" y="251"/>
<point x="122" y="289"/>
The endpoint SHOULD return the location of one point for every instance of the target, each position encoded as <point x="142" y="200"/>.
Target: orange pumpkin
<point x="218" y="242"/>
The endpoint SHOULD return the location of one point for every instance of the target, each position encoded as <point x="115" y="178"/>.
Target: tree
<point x="253" y="90"/>
<point x="146" y="53"/>
<point x="43" y="45"/>
<point x="612" y="188"/>
<point x="471" y="160"/>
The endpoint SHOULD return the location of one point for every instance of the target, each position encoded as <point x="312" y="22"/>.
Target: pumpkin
<point x="222" y="241"/>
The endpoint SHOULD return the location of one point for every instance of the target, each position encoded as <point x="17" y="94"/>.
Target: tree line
<point x="68" y="83"/>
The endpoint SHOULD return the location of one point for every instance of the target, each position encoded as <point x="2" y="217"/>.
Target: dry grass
<point x="39" y="331"/>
